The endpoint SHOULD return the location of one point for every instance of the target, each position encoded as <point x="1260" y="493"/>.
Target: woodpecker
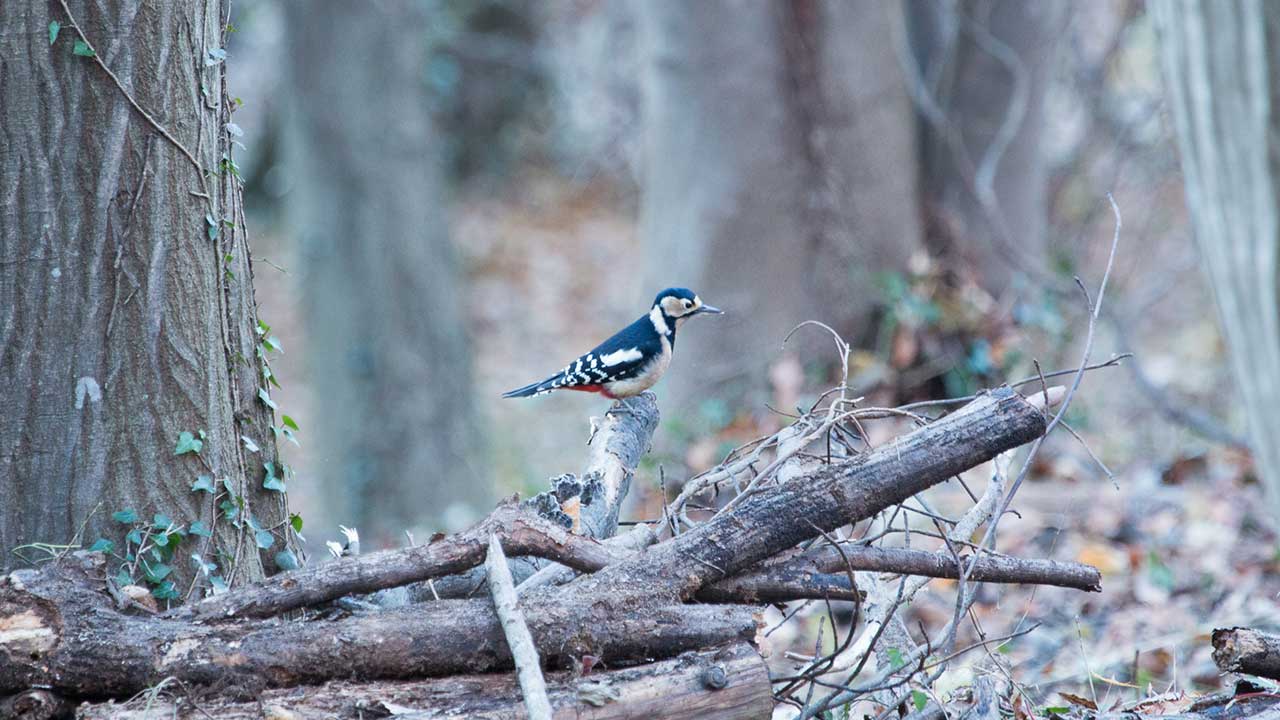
<point x="633" y="359"/>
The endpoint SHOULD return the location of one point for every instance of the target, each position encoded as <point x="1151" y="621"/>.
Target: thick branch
<point x="729" y="683"/>
<point x="1247" y="651"/>
<point x="520" y="529"/>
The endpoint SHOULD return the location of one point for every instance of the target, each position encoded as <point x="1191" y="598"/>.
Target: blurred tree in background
<point x="778" y="173"/>
<point x="1220" y="65"/>
<point x="397" y="429"/>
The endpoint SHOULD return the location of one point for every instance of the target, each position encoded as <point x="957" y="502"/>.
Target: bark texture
<point x="984" y="69"/>
<point x="778" y="173"/>
<point x="729" y="683"/>
<point x="383" y="294"/>
<point x="1218" y="61"/>
<point x="122" y="322"/>
<point x="1248" y="651"/>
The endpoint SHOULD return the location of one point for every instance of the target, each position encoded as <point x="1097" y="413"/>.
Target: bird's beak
<point x="710" y="309"/>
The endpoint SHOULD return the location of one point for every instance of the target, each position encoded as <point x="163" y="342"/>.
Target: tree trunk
<point x="1217" y="60"/>
<point x="984" y="65"/>
<point x="388" y="350"/>
<point x="126" y="299"/>
<point x="779" y="172"/>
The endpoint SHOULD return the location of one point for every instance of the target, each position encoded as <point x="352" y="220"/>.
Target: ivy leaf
<point x="122" y="576"/>
<point x="273" y="343"/>
<point x="219" y="584"/>
<point x="156" y="573"/>
<point x="161" y="521"/>
<point x="262" y="328"/>
<point x="198" y="528"/>
<point x="215" y="56"/>
<point x="134" y="536"/>
<point x="895" y="658"/>
<point x="286" y="560"/>
<point x="126" y="516"/>
<point x="213" y="232"/>
<point x="160" y="540"/>
<point x="234" y="130"/>
<point x="82" y="49"/>
<point x="919" y="699"/>
<point x="295" y="520"/>
<point x="289" y="423"/>
<point x="203" y="483"/>
<point x="165" y="591"/>
<point x="54" y="27"/>
<point x="249" y="444"/>
<point x="265" y="397"/>
<point x="188" y="443"/>
<point x="102" y="545"/>
<point x="264" y="539"/>
<point x="229" y="509"/>
<point x="273" y="483"/>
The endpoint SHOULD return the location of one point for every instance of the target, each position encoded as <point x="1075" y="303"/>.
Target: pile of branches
<point x="664" y="620"/>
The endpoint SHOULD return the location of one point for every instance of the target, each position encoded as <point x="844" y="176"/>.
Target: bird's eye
<point x="688" y="304"/>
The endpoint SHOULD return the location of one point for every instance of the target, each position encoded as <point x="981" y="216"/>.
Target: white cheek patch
<point x="617" y="357"/>
<point x="659" y="323"/>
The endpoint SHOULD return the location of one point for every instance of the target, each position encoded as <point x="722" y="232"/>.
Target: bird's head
<point x="680" y="304"/>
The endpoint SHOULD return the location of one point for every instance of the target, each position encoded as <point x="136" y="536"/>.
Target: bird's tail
<point x="533" y="388"/>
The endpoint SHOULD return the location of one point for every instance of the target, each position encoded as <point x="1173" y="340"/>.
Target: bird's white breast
<point x="646" y="378"/>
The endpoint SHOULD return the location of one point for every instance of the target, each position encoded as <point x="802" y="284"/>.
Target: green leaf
<point x="156" y="573"/>
<point x="919" y="699"/>
<point x="198" y="528"/>
<point x="229" y="509"/>
<point x="295" y="520"/>
<point x="215" y="56"/>
<point x="249" y="444"/>
<point x="262" y="328"/>
<point x="160" y="540"/>
<point x="102" y="545"/>
<point x="122" y="576"/>
<point x="264" y="539"/>
<point x="213" y="232"/>
<point x="54" y="27"/>
<point x="82" y="49"/>
<point x="286" y="560"/>
<point x="161" y="521"/>
<point x="219" y="584"/>
<point x="126" y="516"/>
<point x="1056" y="710"/>
<point x="288" y="421"/>
<point x="134" y="536"/>
<point x="188" y="443"/>
<point x="203" y="483"/>
<point x="273" y="483"/>
<point x="895" y="658"/>
<point x="273" y="343"/>
<point x="166" y="591"/>
<point x="265" y="397"/>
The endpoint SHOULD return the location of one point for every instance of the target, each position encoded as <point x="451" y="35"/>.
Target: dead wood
<point x="71" y="639"/>
<point x="59" y="630"/>
<point x="729" y="683"/>
<point x="1248" y="651"/>
<point x="988" y="568"/>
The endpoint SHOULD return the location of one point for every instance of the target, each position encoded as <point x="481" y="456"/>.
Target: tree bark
<point x="383" y="289"/>
<point x="779" y="154"/>
<point x="729" y="683"/>
<point x="984" y="67"/>
<point x="1218" y="61"/>
<point x="126" y="299"/>
<point x="1248" y="651"/>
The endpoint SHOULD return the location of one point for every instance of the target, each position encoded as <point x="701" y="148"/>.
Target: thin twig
<point x="528" y="666"/>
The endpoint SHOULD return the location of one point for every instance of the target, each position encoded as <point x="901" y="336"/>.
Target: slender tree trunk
<point x="126" y="298"/>
<point x="1219" y="61"/>
<point x="395" y="423"/>
<point x="983" y="72"/>
<point x="779" y="172"/>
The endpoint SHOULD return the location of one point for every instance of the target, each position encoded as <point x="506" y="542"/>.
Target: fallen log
<point x="729" y="683"/>
<point x="1248" y="651"/>
<point x="59" y="631"/>
<point x="629" y="609"/>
